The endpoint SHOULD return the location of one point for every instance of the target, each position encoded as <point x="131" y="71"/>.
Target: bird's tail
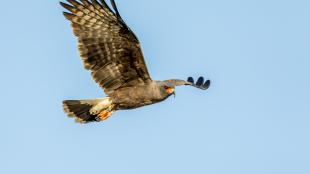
<point x="85" y="111"/>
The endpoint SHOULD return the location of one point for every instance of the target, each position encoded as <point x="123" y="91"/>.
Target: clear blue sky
<point x="255" y="119"/>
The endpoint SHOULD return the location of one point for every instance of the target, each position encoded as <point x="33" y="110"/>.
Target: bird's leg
<point x="105" y="114"/>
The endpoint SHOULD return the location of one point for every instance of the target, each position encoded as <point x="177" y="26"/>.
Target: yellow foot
<point x="103" y="115"/>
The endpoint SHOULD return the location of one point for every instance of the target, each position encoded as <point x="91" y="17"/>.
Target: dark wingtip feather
<point x="200" y="81"/>
<point x="69" y="16"/>
<point x="67" y="6"/>
<point x="201" y="84"/>
<point x="74" y="2"/>
<point x="207" y="84"/>
<point x="190" y="79"/>
<point x="105" y="5"/>
<point x="115" y="9"/>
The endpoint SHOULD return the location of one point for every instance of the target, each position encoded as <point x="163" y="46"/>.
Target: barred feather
<point x="108" y="48"/>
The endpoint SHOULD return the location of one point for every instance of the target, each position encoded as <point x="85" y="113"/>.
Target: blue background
<point x="254" y="118"/>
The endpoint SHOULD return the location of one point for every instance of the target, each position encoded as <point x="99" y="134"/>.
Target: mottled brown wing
<point x="107" y="46"/>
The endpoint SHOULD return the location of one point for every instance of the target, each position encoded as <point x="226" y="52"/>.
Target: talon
<point x="104" y="115"/>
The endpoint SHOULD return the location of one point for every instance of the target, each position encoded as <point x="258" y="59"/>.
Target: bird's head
<point x="166" y="88"/>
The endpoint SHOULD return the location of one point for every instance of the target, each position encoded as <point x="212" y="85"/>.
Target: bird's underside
<point x="112" y="52"/>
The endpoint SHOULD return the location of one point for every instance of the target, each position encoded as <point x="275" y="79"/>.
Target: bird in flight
<point x="112" y="52"/>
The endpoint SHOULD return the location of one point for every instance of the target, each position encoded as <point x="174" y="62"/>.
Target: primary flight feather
<point x="112" y="52"/>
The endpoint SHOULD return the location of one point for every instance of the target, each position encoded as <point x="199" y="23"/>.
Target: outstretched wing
<point x="109" y="49"/>
<point x="201" y="83"/>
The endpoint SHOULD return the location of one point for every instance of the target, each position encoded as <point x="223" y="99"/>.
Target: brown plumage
<point x="112" y="52"/>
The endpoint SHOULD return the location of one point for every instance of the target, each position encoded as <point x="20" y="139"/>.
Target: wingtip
<point x="200" y="83"/>
<point x="68" y="16"/>
<point x="190" y="79"/>
<point x="207" y="84"/>
<point x="66" y="6"/>
<point x="115" y="9"/>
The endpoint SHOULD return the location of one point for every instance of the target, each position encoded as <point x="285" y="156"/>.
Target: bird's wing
<point x="109" y="49"/>
<point x="201" y="83"/>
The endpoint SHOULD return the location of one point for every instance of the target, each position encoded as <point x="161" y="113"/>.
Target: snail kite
<point x="112" y="52"/>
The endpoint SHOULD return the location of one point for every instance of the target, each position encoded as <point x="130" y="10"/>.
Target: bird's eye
<point x="166" y="87"/>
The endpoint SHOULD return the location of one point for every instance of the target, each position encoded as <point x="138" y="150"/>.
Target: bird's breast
<point x="134" y="97"/>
